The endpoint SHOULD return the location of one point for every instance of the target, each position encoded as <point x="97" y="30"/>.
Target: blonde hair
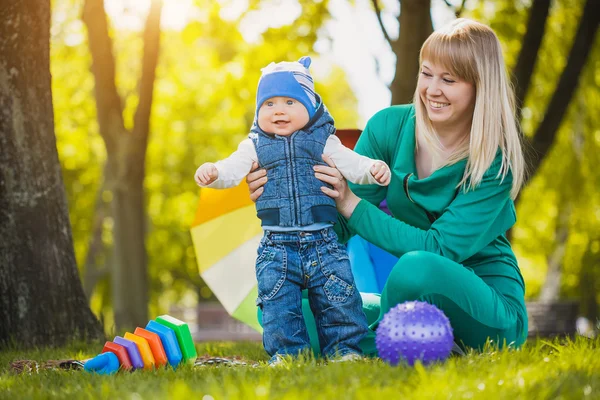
<point x="472" y="52"/>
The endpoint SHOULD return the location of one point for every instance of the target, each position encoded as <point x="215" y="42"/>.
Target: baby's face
<point x="282" y="116"/>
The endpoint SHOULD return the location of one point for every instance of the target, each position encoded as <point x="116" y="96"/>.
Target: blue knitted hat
<point x="288" y="79"/>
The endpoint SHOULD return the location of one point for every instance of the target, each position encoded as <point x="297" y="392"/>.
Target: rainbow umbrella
<point x="226" y="234"/>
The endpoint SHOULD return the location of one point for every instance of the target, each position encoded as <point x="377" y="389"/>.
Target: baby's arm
<point x="230" y="171"/>
<point x="356" y="168"/>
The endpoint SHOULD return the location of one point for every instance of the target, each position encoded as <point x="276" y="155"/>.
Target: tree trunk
<point x="588" y="283"/>
<point x="567" y="84"/>
<point x="415" y="27"/>
<point x="532" y="41"/>
<point x="551" y="289"/>
<point x="126" y="155"/>
<point x="41" y="297"/>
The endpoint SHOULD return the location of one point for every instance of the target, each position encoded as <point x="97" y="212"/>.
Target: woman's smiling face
<point x="449" y="100"/>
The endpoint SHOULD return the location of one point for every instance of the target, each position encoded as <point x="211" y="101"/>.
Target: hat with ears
<point x="288" y="79"/>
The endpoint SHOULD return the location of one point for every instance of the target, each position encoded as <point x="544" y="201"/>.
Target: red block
<point x="160" y="357"/>
<point x="120" y="352"/>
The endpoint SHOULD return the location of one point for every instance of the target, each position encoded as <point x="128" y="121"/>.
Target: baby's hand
<point x="381" y="173"/>
<point x="206" y="174"/>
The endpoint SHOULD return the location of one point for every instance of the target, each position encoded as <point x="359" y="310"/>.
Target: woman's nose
<point x="433" y="87"/>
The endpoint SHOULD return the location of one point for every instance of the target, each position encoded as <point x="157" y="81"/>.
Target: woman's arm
<point x="467" y="225"/>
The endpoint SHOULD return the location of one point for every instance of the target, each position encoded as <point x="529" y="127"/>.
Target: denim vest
<point x="292" y="195"/>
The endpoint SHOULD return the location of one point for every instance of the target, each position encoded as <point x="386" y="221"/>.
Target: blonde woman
<point x="457" y="165"/>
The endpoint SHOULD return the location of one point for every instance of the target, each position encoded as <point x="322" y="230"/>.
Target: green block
<point x="184" y="337"/>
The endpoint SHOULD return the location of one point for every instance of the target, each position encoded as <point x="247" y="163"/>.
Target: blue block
<point x="103" y="364"/>
<point x="169" y="341"/>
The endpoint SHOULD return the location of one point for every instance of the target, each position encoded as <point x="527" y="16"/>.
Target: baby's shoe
<point x="348" y="357"/>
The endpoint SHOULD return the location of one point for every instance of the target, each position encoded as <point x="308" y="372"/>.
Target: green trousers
<point x="479" y="307"/>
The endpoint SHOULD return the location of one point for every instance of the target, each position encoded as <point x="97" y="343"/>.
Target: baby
<point x="292" y="129"/>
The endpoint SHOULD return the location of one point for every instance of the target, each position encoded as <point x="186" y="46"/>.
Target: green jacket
<point x="431" y="214"/>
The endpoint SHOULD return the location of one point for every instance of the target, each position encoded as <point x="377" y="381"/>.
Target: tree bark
<point x="551" y="289"/>
<point x="415" y="28"/>
<point x="41" y="297"/>
<point x="532" y="41"/>
<point x="126" y="155"/>
<point x="584" y="39"/>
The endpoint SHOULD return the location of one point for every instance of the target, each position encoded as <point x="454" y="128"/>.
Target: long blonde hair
<point x="472" y="51"/>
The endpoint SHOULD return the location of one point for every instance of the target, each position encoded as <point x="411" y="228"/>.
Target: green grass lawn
<point x="542" y="369"/>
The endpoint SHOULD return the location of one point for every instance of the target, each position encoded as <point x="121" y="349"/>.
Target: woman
<point x="457" y="165"/>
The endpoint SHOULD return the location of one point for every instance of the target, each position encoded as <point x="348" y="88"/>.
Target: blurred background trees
<point x="202" y="105"/>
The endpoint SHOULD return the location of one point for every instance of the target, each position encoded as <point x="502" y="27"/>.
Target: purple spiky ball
<point x="412" y="331"/>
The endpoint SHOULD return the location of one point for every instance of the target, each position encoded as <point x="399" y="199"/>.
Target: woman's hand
<point x="256" y="179"/>
<point x="345" y="200"/>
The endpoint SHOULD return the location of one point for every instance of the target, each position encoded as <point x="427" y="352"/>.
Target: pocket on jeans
<point x="271" y="271"/>
<point x="337" y="290"/>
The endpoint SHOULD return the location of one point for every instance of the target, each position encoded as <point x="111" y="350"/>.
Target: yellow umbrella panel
<point x="226" y="234"/>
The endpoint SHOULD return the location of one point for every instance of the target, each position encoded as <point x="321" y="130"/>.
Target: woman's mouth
<point x="436" y="105"/>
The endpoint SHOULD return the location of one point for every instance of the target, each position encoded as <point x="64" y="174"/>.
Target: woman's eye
<point x="425" y="73"/>
<point x="448" y="80"/>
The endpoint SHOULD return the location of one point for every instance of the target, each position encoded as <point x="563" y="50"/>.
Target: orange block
<point x="144" y="349"/>
<point x="155" y="345"/>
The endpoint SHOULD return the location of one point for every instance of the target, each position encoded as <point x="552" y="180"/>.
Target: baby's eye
<point x="290" y="102"/>
<point x="270" y="103"/>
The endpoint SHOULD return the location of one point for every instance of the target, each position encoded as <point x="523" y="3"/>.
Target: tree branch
<point x="149" y="62"/>
<point x="459" y="11"/>
<point x="108" y="102"/>
<point x="378" y="14"/>
<point x="523" y="70"/>
<point x="584" y="39"/>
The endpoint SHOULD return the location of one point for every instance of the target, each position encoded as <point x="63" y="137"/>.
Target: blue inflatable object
<point x="362" y="266"/>
<point x="169" y="341"/>
<point x="103" y="364"/>
<point x="371" y="265"/>
<point x="383" y="263"/>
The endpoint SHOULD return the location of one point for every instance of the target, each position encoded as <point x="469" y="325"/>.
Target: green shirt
<point x="431" y="214"/>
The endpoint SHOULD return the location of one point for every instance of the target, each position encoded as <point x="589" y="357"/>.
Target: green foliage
<point x="204" y="104"/>
<point x="569" y="177"/>
<point x="540" y="370"/>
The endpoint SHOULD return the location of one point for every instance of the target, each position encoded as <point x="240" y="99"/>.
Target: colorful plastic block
<point x="169" y="342"/>
<point x="104" y="364"/>
<point x="184" y="337"/>
<point x="160" y="357"/>
<point x="120" y="352"/>
<point x="132" y="350"/>
<point x="144" y="349"/>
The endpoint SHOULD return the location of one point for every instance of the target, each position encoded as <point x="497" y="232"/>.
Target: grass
<point x="542" y="369"/>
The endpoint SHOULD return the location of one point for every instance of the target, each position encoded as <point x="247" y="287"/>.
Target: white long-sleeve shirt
<point x="353" y="166"/>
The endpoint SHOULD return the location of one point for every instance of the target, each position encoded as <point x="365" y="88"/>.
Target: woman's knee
<point x="413" y="274"/>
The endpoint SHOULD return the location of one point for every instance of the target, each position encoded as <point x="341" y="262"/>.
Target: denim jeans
<point x="289" y="262"/>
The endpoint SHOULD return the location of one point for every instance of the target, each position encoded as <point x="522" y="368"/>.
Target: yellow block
<point x="218" y="237"/>
<point x="216" y="202"/>
<point x="144" y="348"/>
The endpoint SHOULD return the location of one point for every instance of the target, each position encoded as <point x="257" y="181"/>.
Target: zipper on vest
<point x="430" y="216"/>
<point x="293" y="182"/>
